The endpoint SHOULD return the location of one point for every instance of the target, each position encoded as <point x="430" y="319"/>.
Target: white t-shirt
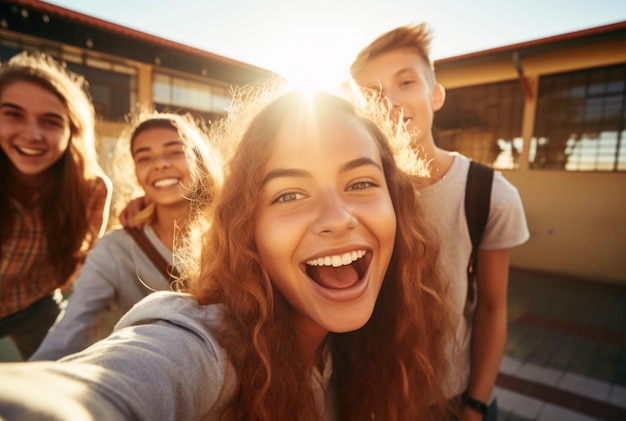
<point x="444" y="204"/>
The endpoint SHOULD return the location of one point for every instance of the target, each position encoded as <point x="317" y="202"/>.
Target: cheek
<point x="61" y="139"/>
<point x="388" y="226"/>
<point x="277" y="238"/>
<point x="382" y="218"/>
<point x="58" y="146"/>
<point x="184" y="169"/>
<point x="140" y="174"/>
<point x="269" y="235"/>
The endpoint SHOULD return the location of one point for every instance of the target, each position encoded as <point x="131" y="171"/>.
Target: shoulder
<point x="113" y="240"/>
<point x="176" y="308"/>
<point x="459" y="168"/>
<point x="503" y="190"/>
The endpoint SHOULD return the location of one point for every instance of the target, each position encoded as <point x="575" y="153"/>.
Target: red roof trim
<point x="541" y="41"/>
<point x="90" y="20"/>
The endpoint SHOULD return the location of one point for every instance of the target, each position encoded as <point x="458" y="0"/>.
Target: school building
<point x="126" y="69"/>
<point x="549" y="113"/>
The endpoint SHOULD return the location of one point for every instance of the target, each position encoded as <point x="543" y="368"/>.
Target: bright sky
<point x="317" y="39"/>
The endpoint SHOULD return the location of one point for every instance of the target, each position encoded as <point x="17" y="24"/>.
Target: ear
<point x="438" y="97"/>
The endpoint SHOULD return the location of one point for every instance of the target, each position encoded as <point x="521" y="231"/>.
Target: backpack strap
<point x="166" y="269"/>
<point x="477" y="202"/>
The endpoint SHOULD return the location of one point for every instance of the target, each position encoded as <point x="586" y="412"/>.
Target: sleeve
<point x="158" y="370"/>
<point x="506" y="226"/>
<point x="94" y="293"/>
<point x="38" y="392"/>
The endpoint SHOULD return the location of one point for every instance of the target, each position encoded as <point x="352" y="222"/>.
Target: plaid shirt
<point x="26" y="275"/>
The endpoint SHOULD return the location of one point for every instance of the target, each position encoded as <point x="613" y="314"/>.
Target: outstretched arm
<point x="157" y="371"/>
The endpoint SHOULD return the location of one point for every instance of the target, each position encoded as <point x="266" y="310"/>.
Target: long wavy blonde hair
<point x="65" y="195"/>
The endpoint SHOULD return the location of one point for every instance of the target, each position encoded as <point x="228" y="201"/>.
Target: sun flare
<point x="313" y="64"/>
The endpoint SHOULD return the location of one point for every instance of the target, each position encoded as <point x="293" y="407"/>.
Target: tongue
<point x="334" y="277"/>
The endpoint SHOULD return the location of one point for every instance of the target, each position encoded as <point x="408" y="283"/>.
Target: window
<point x="580" y="122"/>
<point x="113" y="88"/>
<point x="483" y="122"/>
<point x="8" y="49"/>
<point x="204" y="100"/>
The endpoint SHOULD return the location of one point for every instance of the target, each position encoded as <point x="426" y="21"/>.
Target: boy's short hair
<point x="417" y="36"/>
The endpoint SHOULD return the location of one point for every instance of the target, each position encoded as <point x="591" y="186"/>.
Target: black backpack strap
<point x="166" y="269"/>
<point x="477" y="202"/>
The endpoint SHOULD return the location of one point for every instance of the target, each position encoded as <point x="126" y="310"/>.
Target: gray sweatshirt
<point x="115" y="276"/>
<point x="162" y="362"/>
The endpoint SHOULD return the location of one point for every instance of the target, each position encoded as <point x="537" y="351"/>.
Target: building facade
<point x="550" y="114"/>
<point x="126" y="70"/>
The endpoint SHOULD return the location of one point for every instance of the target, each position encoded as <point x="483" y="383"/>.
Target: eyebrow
<point x="17" y="107"/>
<point x="170" y="143"/>
<point x="404" y="70"/>
<point x="290" y="172"/>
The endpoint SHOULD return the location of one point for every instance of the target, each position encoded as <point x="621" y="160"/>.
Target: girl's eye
<point x="288" y="197"/>
<point x="142" y="159"/>
<point x="177" y="152"/>
<point x="11" y="113"/>
<point x="360" y="185"/>
<point x="406" y="83"/>
<point x="53" y="123"/>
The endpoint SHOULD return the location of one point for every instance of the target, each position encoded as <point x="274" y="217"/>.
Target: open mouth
<point x="30" y="151"/>
<point x="339" y="271"/>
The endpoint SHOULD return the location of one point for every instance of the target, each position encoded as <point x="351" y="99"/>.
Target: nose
<point x="393" y="104"/>
<point x="391" y="100"/>
<point x="32" y="130"/>
<point x="162" y="161"/>
<point x="334" y="216"/>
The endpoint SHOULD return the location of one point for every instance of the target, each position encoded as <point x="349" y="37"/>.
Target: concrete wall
<point x="577" y="223"/>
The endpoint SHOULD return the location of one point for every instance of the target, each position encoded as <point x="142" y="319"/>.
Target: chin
<point x="349" y="322"/>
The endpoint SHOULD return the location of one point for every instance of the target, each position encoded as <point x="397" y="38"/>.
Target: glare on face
<point x="34" y="127"/>
<point x="406" y="81"/>
<point x="326" y="225"/>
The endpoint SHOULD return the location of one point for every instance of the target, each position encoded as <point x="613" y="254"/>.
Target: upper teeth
<point x="337" y="260"/>
<point x="30" y="151"/>
<point x="166" y="182"/>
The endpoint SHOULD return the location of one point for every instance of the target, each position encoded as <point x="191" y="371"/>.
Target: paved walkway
<point x="565" y="357"/>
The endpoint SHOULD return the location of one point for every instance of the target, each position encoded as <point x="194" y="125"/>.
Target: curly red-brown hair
<point x="392" y="368"/>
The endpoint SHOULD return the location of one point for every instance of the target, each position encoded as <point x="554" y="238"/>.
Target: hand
<point x="131" y="210"/>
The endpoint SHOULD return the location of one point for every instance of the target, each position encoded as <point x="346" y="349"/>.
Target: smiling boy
<point x="397" y="66"/>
